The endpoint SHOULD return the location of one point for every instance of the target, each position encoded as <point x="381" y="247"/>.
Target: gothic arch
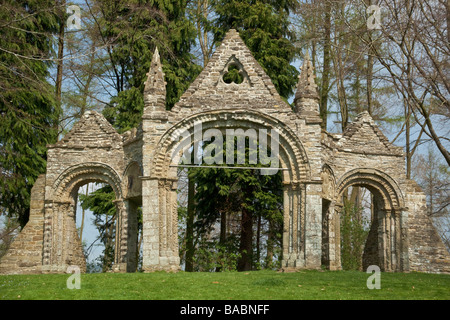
<point x="130" y="166"/>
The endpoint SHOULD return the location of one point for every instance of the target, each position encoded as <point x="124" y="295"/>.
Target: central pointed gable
<point x="210" y="90"/>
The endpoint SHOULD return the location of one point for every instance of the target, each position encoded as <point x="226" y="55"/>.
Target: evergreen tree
<point x="353" y="236"/>
<point x="28" y="113"/>
<point x="245" y="195"/>
<point x="133" y="30"/>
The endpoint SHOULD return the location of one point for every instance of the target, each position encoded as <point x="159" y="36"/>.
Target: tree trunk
<point x="190" y="227"/>
<point x="326" y="66"/>
<point x="369" y="71"/>
<point x="448" y="21"/>
<point x="139" y="249"/>
<point x="369" y="83"/>
<point x="408" y="134"/>
<point x="245" y="247"/>
<point x="222" y="238"/>
<point x="339" y="69"/>
<point x="59" y="68"/>
<point x="270" y="242"/>
<point x="258" y="240"/>
<point x="83" y="214"/>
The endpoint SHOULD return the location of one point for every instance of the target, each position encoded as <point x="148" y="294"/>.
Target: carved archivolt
<point x="77" y="175"/>
<point x="292" y="154"/>
<point x="377" y="182"/>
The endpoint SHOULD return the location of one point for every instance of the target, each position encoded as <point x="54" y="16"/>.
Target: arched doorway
<point x="384" y="245"/>
<point x="61" y="242"/>
<point x="300" y="249"/>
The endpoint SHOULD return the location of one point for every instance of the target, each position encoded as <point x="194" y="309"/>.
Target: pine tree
<point x="28" y="112"/>
<point x="247" y="196"/>
<point x="133" y="30"/>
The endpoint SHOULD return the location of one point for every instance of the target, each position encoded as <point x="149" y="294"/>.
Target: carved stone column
<point x="172" y="231"/>
<point x="287" y="217"/>
<point x="48" y="237"/>
<point x="62" y="245"/>
<point x="168" y="254"/>
<point x="330" y="244"/>
<point x="293" y="239"/>
<point x="403" y="240"/>
<point x="383" y="235"/>
<point x="160" y="217"/>
<point x="313" y="225"/>
<point x="336" y="226"/>
<point x="121" y="250"/>
<point x="151" y="225"/>
<point x="132" y="236"/>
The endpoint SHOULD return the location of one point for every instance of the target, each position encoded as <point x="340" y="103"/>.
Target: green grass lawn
<point x="256" y="285"/>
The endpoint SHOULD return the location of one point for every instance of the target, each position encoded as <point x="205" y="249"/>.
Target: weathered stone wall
<point x="25" y="253"/>
<point x="427" y="252"/>
<point x="363" y="145"/>
<point x="91" y="152"/>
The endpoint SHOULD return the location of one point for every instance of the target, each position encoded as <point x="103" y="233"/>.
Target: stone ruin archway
<point x="159" y="200"/>
<point x="386" y="242"/>
<point x="317" y="167"/>
<point x="61" y="246"/>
